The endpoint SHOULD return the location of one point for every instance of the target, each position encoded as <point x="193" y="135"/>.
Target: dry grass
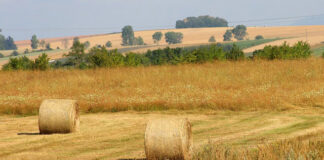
<point x="297" y="148"/>
<point x="246" y="85"/>
<point x="115" y="136"/>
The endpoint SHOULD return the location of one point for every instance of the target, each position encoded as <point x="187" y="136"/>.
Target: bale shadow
<point x="28" y="134"/>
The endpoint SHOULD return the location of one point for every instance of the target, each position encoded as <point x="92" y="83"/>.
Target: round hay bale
<point x="58" y="116"/>
<point x="168" y="139"/>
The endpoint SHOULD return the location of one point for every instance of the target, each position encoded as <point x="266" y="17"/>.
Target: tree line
<point x="101" y="57"/>
<point x="7" y="43"/>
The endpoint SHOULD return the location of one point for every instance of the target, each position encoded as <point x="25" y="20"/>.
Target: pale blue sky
<point x="55" y="18"/>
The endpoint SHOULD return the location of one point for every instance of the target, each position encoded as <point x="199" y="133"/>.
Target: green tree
<point x="2" y="42"/>
<point x="41" y="63"/>
<point x="212" y="39"/>
<point x="235" y="53"/>
<point x="34" y="42"/>
<point x="239" y="32"/>
<point x="77" y="54"/>
<point x="42" y="44"/>
<point x="65" y="43"/>
<point x="259" y="37"/>
<point x="87" y="44"/>
<point x="173" y="37"/>
<point x="1" y="55"/>
<point x="228" y="35"/>
<point x="157" y="36"/>
<point x="128" y="36"/>
<point x="10" y="43"/>
<point x="76" y="40"/>
<point x="108" y="44"/>
<point x="48" y="46"/>
<point x="139" y="41"/>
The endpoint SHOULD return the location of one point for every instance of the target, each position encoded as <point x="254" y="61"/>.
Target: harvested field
<point x="121" y="135"/>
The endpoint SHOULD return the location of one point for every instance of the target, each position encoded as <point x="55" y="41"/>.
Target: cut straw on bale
<point x="58" y="116"/>
<point x="168" y="139"/>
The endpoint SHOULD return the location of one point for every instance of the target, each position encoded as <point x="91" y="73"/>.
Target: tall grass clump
<point x="287" y="149"/>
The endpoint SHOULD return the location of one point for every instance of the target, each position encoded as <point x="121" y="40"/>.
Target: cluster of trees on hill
<point x="24" y="63"/>
<point x="7" y="43"/>
<point x="201" y="21"/>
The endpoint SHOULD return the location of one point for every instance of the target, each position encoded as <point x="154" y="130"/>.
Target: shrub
<point x="41" y="63"/>
<point x="228" y="35"/>
<point x="108" y="44"/>
<point x="1" y="55"/>
<point x="259" y="37"/>
<point x="173" y="37"/>
<point x="14" y="53"/>
<point x="26" y="51"/>
<point x="299" y="50"/>
<point x="101" y="57"/>
<point x="18" y="63"/>
<point x="212" y="39"/>
<point x="235" y="53"/>
<point x="323" y="55"/>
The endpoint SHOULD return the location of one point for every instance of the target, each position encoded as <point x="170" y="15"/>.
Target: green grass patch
<point x="36" y="53"/>
<point x="318" y="51"/>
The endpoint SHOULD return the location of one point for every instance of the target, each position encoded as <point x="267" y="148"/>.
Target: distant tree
<point x="228" y="35"/>
<point x="34" y="42"/>
<point x="41" y="63"/>
<point x="76" y="40"/>
<point x="239" y="32"/>
<point x="201" y="21"/>
<point x="2" y="42"/>
<point x="108" y="44"/>
<point x="173" y="37"/>
<point x="139" y="41"/>
<point x="212" y="39"/>
<point x="77" y="54"/>
<point x="26" y="51"/>
<point x="1" y="55"/>
<point x="65" y="43"/>
<point x="42" y="44"/>
<point x="14" y="53"/>
<point x="157" y="36"/>
<point x="87" y="44"/>
<point x="48" y="46"/>
<point x="258" y="37"/>
<point x="10" y="44"/>
<point x="128" y="36"/>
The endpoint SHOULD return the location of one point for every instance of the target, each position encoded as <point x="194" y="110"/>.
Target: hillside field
<point x="193" y="36"/>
